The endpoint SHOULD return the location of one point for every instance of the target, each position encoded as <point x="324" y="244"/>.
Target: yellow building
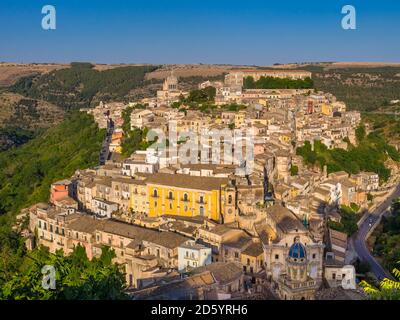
<point x="326" y="109"/>
<point x="285" y="137"/>
<point x="188" y="196"/>
<point x="263" y="102"/>
<point x="138" y="200"/>
<point x="118" y="149"/>
<point x="239" y="119"/>
<point x="192" y="123"/>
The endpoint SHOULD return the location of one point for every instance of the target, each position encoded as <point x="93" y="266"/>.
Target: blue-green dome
<point x="297" y="250"/>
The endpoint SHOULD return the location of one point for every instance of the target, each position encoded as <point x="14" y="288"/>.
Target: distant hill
<point x="21" y="118"/>
<point x="11" y="72"/>
<point x="82" y="86"/>
<point x="364" y="87"/>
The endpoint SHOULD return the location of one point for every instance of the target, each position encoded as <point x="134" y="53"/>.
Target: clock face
<point x="229" y="211"/>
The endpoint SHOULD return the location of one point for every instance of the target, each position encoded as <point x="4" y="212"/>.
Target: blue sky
<point x="199" y="31"/>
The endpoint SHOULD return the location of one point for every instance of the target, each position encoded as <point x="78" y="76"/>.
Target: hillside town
<point x="231" y="227"/>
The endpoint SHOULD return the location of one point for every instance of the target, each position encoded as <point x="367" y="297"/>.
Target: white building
<point x="193" y="255"/>
<point x="130" y="167"/>
<point x="341" y="276"/>
<point x="103" y="208"/>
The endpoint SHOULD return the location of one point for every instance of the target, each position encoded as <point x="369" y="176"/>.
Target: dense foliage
<point x="133" y="139"/>
<point x="387" y="243"/>
<point x="202" y="95"/>
<point x="25" y="177"/>
<point x="294" y="170"/>
<point x="369" y="155"/>
<point x="277" y="83"/>
<point x="77" y="277"/>
<point x="348" y="222"/>
<point x="388" y="289"/>
<point x="27" y="172"/>
<point x="77" y="86"/>
<point x="12" y="136"/>
<point x="387" y="246"/>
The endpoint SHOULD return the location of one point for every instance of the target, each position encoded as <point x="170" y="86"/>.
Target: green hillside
<point x="27" y="172"/>
<point x="81" y="86"/>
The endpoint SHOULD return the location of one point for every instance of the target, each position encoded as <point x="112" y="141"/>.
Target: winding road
<point x="370" y="221"/>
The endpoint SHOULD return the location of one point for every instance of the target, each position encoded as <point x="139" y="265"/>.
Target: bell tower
<point x="228" y="199"/>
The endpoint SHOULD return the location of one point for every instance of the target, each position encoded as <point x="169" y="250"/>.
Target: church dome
<point x="297" y="250"/>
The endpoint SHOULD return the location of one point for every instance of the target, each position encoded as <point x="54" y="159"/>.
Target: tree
<point x="388" y="289"/>
<point x="249" y="83"/>
<point x="360" y="133"/>
<point x="277" y="83"/>
<point x="77" y="277"/>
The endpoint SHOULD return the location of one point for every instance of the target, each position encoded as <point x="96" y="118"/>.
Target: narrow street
<point x="358" y="240"/>
<point x="104" y="152"/>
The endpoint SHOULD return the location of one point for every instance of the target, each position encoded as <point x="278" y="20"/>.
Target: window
<point x="277" y="257"/>
<point x="155" y="193"/>
<point x="236" y="255"/>
<point x="51" y="228"/>
<point x="76" y="235"/>
<point x="185" y="197"/>
<point x="201" y="199"/>
<point x="40" y="224"/>
<point x="314" y="256"/>
<point x="170" y="195"/>
<point x="45" y="226"/>
<point x="230" y="199"/>
<point x="202" y="211"/>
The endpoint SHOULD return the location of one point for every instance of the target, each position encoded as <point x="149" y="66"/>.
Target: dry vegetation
<point x="189" y="70"/>
<point x="16" y="110"/>
<point x="11" y="72"/>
